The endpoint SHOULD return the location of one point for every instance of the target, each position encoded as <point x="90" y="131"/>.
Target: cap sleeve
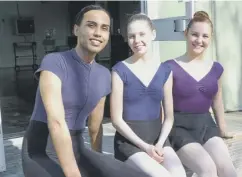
<point x="118" y="68"/>
<point x="53" y="63"/>
<point x="219" y="69"/>
<point x="167" y="71"/>
<point x="108" y="83"/>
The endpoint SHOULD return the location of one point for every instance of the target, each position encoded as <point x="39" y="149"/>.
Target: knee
<point x="160" y="173"/>
<point x="178" y="172"/>
<point x="226" y="170"/>
<point x="209" y="169"/>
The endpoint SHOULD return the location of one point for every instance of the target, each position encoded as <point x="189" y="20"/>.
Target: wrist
<point x="222" y="128"/>
<point x="144" y="146"/>
<point x="159" y="143"/>
<point x="72" y="172"/>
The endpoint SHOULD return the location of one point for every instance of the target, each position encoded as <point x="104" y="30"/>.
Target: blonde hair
<point x="140" y="16"/>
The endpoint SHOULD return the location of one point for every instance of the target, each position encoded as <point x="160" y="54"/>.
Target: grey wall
<point x="47" y="15"/>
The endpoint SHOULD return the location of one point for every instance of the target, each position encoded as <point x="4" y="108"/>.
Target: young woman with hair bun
<point x="197" y="86"/>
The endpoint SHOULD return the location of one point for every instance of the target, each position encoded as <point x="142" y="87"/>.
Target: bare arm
<point x="218" y="108"/>
<point x="50" y="90"/>
<point x="95" y="126"/>
<point x="116" y="105"/>
<point x="168" y="111"/>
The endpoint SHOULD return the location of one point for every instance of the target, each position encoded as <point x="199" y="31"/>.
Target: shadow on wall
<point x="228" y="28"/>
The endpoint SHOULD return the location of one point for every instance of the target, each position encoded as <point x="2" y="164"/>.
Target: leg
<point x="95" y="164"/>
<point x="39" y="165"/>
<point x="219" y="152"/>
<point x="196" y="158"/>
<point x="172" y="163"/>
<point x="143" y="161"/>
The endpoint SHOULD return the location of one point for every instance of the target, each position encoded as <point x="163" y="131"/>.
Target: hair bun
<point x="201" y="14"/>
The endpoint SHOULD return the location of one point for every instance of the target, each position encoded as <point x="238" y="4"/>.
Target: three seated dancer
<point x="197" y="87"/>
<point x="73" y="87"/>
<point x="140" y="84"/>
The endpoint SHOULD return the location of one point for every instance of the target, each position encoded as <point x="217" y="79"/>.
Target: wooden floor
<point x="13" y="146"/>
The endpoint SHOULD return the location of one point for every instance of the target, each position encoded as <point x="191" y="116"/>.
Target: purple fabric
<point x="141" y="102"/>
<point x="83" y="85"/>
<point x="193" y="96"/>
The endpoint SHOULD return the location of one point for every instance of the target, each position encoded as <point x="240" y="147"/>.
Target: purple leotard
<point x="193" y="96"/>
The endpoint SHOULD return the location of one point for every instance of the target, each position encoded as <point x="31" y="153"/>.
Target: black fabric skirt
<point x="149" y="131"/>
<point x="191" y="127"/>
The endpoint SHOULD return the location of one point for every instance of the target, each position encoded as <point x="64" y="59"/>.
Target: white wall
<point x="165" y="50"/>
<point x="46" y="15"/>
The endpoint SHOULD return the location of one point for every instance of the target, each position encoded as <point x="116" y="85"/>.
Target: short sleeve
<point x="167" y="71"/>
<point x="219" y="69"/>
<point x="118" y="69"/>
<point x="53" y="63"/>
<point x="108" y="83"/>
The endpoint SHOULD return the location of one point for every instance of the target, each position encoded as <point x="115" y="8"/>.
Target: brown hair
<point x="200" y="16"/>
<point x="142" y="17"/>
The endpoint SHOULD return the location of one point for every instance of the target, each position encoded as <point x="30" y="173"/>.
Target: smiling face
<point x="198" y="37"/>
<point x="93" y="32"/>
<point x="140" y="36"/>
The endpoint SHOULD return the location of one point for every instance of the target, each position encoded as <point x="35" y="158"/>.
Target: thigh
<point x="144" y="162"/>
<point x="172" y="163"/>
<point x="218" y="150"/>
<point x="195" y="157"/>
<point x="96" y="164"/>
<point x="180" y="137"/>
<point x="41" y="167"/>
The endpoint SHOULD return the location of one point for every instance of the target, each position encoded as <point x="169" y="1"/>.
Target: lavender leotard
<point x="83" y="85"/>
<point x="192" y="100"/>
<point x="141" y="108"/>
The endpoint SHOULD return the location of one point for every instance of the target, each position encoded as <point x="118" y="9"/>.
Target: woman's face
<point x="140" y="36"/>
<point x="198" y="37"/>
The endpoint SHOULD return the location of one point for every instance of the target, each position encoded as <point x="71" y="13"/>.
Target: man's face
<point x="93" y="32"/>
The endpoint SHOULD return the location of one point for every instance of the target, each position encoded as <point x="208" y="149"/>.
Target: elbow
<point x="116" y="119"/>
<point x="170" y="120"/>
<point x="55" y="125"/>
<point x="114" y="123"/>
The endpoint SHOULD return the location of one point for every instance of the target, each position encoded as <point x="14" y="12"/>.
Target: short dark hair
<point x="86" y="9"/>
